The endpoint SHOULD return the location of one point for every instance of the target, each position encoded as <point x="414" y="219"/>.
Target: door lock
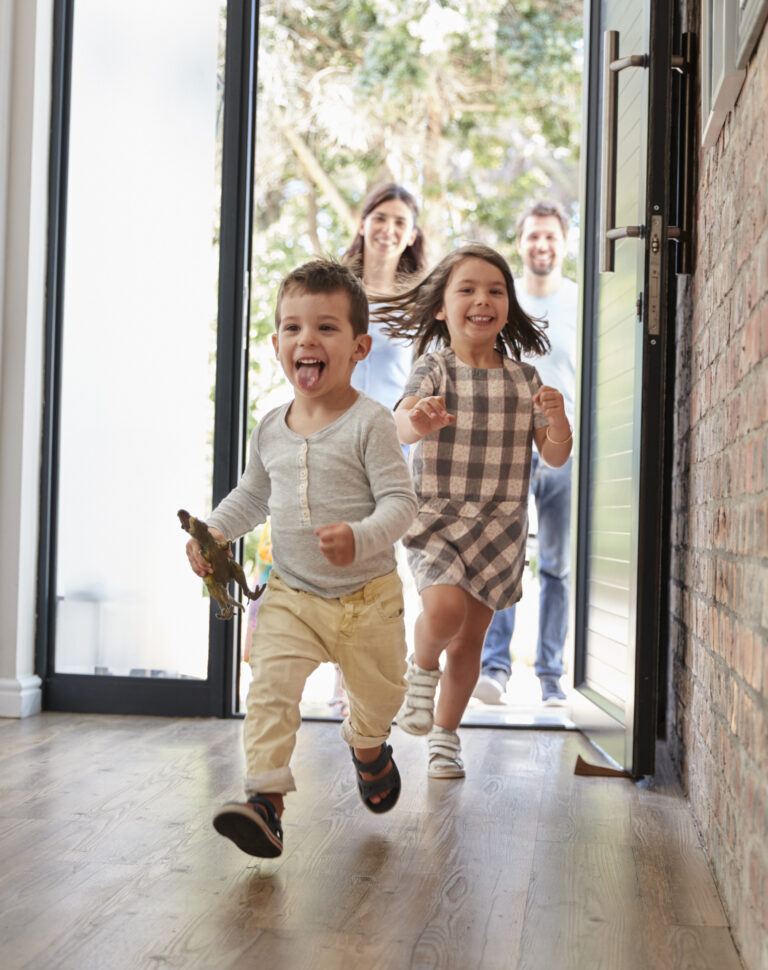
<point x="654" y="277"/>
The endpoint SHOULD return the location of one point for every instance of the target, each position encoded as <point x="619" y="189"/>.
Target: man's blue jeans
<point x="551" y="489"/>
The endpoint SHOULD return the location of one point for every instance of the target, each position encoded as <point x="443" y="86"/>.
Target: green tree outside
<point x="473" y="106"/>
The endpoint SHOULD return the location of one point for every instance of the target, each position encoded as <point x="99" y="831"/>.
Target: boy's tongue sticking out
<point x="308" y="373"/>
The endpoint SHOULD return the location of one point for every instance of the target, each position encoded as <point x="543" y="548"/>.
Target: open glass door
<point x="626" y="320"/>
<point x="151" y="161"/>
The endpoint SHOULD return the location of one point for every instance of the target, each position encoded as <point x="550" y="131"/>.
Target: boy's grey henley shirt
<point x="351" y="471"/>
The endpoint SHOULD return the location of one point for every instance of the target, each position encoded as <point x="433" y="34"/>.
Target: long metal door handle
<point x="612" y="65"/>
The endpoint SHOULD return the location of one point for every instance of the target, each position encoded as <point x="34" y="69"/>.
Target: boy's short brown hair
<point x="327" y="276"/>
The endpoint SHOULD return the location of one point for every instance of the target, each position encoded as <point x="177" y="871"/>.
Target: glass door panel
<point x="139" y="329"/>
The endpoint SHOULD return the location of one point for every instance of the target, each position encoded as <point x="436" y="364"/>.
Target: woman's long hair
<point x="413" y="260"/>
<point x="410" y="315"/>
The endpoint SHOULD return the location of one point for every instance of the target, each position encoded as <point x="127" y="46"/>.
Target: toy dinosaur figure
<point x="225" y="569"/>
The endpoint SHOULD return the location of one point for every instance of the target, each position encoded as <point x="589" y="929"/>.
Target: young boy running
<point x="329" y="470"/>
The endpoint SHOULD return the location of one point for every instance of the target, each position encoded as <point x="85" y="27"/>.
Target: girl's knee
<point x="445" y="610"/>
<point x="442" y="623"/>
<point x="467" y="650"/>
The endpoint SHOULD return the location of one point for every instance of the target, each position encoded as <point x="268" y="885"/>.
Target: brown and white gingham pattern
<point x="472" y="477"/>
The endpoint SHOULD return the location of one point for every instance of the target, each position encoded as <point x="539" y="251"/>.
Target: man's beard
<point x="541" y="270"/>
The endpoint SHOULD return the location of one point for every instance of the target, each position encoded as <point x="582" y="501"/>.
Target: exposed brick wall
<point x="718" y="700"/>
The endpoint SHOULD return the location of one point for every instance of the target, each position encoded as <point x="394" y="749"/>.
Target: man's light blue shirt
<point x="560" y="311"/>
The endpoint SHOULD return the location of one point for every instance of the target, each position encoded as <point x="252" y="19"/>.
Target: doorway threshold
<point x="501" y="716"/>
<point x="521" y="707"/>
<point x="539" y="718"/>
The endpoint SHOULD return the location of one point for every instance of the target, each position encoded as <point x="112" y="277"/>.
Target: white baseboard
<point x="21" y="696"/>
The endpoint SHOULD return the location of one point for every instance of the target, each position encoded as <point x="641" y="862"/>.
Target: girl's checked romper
<point x="472" y="478"/>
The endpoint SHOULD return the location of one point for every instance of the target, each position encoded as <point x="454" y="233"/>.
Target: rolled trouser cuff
<point x="356" y="740"/>
<point x="278" y="781"/>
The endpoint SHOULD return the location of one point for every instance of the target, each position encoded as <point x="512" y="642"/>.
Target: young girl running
<point x="471" y="410"/>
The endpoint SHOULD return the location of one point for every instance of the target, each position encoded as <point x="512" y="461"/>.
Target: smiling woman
<point x="387" y="251"/>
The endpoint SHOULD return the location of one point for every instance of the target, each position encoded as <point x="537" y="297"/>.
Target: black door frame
<point x="214" y="696"/>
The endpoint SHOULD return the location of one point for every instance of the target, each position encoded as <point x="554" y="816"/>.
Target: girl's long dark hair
<point x="410" y="315"/>
<point x="413" y="260"/>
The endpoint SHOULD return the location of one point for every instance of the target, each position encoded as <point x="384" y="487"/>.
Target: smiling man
<point x="542" y="233"/>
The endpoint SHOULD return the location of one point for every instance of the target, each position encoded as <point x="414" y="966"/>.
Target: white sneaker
<point x="417" y="714"/>
<point x="444" y="751"/>
<point x="490" y="687"/>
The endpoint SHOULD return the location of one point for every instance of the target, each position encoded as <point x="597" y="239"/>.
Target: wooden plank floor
<point x="108" y="860"/>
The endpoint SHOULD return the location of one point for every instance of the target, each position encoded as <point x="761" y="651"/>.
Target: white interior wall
<point x="26" y="39"/>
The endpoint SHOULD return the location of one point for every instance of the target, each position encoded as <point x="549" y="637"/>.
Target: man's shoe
<point x="551" y="692"/>
<point x="490" y="686"/>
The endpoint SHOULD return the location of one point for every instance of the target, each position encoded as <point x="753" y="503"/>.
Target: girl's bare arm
<point x="553" y="442"/>
<point x="554" y="453"/>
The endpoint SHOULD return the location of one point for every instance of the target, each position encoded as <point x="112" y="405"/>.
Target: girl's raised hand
<point x="429" y="414"/>
<point x="550" y="400"/>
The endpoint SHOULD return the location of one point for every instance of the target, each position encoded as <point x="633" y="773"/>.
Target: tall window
<point x="138" y="334"/>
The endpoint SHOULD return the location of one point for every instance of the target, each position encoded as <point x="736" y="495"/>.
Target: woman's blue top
<point x="383" y="373"/>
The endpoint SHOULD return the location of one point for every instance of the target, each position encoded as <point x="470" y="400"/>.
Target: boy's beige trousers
<point x="363" y="633"/>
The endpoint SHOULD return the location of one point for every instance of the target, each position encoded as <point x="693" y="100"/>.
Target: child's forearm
<point x="406" y="432"/>
<point x="555" y="445"/>
<point x="554" y="440"/>
<point x="393" y="516"/>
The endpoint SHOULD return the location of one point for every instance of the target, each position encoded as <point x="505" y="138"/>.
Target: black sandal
<point x="255" y="833"/>
<point x="389" y="782"/>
